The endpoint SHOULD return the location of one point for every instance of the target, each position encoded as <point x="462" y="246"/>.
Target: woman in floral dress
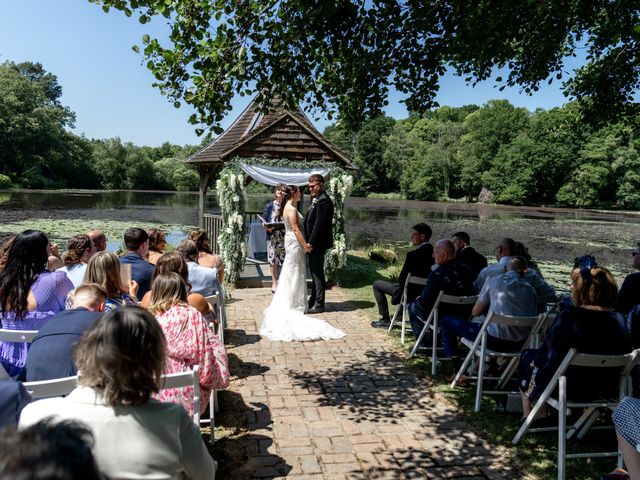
<point x="190" y="342"/>
<point x="275" y="236"/>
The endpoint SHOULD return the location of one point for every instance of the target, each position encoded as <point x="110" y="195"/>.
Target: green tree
<point x="376" y="173"/>
<point x="345" y="55"/>
<point x="35" y="147"/>
<point x="487" y="130"/>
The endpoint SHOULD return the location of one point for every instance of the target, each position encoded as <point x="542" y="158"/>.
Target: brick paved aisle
<point x="343" y="408"/>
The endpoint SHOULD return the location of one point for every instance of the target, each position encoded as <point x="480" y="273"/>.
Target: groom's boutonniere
<point x="313" y="202"/>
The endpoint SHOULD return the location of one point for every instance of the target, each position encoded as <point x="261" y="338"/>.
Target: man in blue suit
<point x="137" y="242"/>
<point x="51" y="353"/>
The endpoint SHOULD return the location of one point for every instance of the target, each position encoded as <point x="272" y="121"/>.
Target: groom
<point x="319" y="234"/>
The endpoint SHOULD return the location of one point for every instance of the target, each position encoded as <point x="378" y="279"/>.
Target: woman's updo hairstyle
<point x="76" y="246"/>
<point x="595" y="286"/>
<point x="288" y="191"/>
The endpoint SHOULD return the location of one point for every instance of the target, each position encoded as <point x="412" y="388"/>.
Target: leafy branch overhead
<point x="343" y="56"/>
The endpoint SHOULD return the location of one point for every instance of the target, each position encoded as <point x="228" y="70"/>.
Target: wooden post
<point x="206" y="173"/>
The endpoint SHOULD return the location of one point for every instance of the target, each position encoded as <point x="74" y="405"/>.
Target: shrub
<point x="382" y="255"/>
<point x="5" y="182"/>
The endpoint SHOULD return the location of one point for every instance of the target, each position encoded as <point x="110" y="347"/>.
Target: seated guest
<point x="157" y="244"/>
<point x="190" y="342"/>
<point x="79" y="250"/>
<point x="466" y="254"/>
<point x="626" y="418"/>
<point x="521" y="250"/>
<point x="449" y="276"/>
<point x="13" y="398"/>
<point x="507" y="294"/>
<point x="103" y="270"/>
<point x="99" y="239"/>
<point x="29" y="294"/>
<point x="4" y="252"/>
<point x="590" y="326"/>
<point x="504" y="251"/>
<point x="206" y="257"/>
<point x="203" y="280"/>
<point x="418" y="263"/>
<point x="50" y="355"/>
<point x="49" y="450"/>
<point x="137" y="242"/>
<point x="173" y="262"/>
<point x="54" y="261"/>
<point x="122" y="359"/>
<point x="629" y="294"/>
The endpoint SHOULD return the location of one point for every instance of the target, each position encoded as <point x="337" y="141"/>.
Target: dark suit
<point x="629" y="294"/>
<point x="13" y="398"/>
<point x="453" y="278"/>
<point x="472" y="259"/>
<point x="418" y="262"/>
<point x="141" y="271"/>
<point x="318" y="227"/>
<point x="50" y="354"/>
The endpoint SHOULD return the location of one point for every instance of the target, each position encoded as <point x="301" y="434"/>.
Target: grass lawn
<point x="536" y="455"/>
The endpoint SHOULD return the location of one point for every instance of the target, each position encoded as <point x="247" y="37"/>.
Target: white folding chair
<point x="404" y="302"/>
<point x="211" y="420"/>
<point x="18" y="336"/>
<point x="433" y="325"/>
<point x="215" y="302"/>
<point x="623" y="363"/>
<point x="56" y="387"/>
<point x="478" y="348"/>
<point x="188" y="378"/>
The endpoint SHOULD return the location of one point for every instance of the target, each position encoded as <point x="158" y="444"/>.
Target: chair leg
<point x="395" y="315"/>
<point x="434" y="345"/>
<point x="423" y="332"/>
<point x="508" y="373"/>
<point x="481" y="367"/>
<point x="562" y="427"/>
<point x="213" y="408"/>
<point x="403" y="329"/>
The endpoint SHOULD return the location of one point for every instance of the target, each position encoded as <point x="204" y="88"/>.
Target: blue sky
<point x="105" y="83"/>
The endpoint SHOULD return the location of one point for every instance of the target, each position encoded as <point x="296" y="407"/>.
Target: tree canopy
<point x="343" y="56"/>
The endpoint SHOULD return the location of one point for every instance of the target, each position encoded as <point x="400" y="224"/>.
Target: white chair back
<point x="188" y="378"/>
<point x="56" y="387"/>
<point x="19" y="336"/>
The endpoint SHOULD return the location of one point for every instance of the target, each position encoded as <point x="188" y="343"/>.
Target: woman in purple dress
<point x="29" y="293"/>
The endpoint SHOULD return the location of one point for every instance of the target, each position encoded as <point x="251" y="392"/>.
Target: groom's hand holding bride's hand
<point x="307" y="248"/>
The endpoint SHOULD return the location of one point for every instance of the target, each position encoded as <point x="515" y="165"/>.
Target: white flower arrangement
<point x="231" y="197"/>
<point x="340" y="187"/>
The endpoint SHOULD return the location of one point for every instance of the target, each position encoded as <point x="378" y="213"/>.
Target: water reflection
<point x="368" y="221"/>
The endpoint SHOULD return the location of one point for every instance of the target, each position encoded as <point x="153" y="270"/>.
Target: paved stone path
<point x="344" y="409"/>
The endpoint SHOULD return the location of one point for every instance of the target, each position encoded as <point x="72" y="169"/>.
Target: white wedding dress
<point x="284" y="319"/>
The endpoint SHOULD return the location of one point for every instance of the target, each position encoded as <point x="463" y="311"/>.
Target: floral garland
<point x="339" y="189"/>
<point x="231" y="197"/>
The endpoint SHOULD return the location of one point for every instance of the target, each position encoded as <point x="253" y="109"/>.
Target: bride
<point x="284" y="319"/>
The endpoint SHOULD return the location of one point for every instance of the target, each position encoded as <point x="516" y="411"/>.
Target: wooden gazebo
<point x="279" y="134"/>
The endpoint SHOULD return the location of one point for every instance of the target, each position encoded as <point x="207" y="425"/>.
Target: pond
<point x="552" y="234"/>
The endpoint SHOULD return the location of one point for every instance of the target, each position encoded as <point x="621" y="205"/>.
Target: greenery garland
<point x="231" y="197"/>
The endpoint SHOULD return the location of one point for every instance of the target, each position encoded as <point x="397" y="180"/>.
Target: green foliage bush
<point x="382" y="255"/>
<point x="5" y="182"/>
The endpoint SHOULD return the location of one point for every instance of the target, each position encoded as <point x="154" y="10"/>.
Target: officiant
<point x="275" y="235"/>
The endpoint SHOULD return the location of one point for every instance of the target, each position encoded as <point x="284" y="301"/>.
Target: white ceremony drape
<point x="270" y="175"/>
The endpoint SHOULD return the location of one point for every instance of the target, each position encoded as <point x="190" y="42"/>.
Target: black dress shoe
<point x="313" y="310"/>
<point x="382" y="323"/>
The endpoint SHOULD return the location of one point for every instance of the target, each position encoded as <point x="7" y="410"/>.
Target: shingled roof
<point x="278" y="134"/>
